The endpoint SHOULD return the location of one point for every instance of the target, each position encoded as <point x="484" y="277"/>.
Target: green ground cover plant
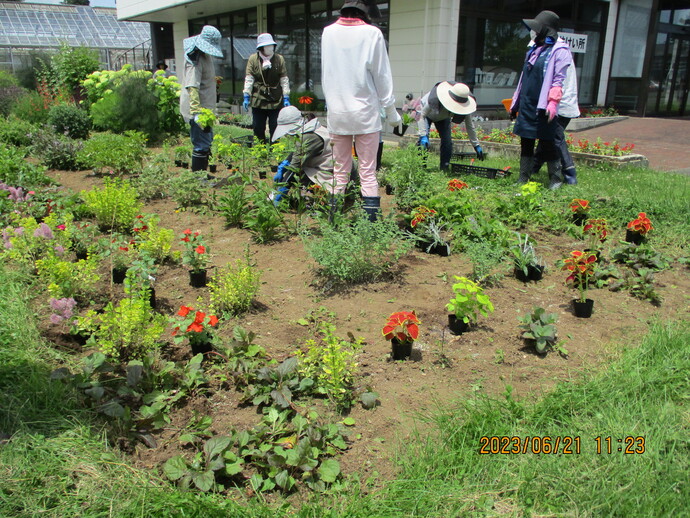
<point x="113" y="153"/>
<point x="233" y="287"/>
<point x="115" y="205"/>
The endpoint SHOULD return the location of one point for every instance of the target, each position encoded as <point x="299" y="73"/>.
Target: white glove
<point x="393" y="116"/>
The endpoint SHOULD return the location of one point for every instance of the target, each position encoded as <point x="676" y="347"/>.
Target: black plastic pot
<point x="184" y="165"/>
<point x="197" y="279"/>
<point x="178" y="163"/>
<point x="583" y="309"/>
<point x="535" y="273"/>
<point x="634" y="237"/>
<point x="399" y="133"/>
<point x="456" y="325"/>
<point x="579" y="219"/>
<point x="262" y="174"/>
<point x="152" y="297"/>
<point x="274" y="168"/>
<point x="119" y="275"/>
<point x="81" y="254"/>
<point x="212" y="168"/>
<point x="201" y="348"/>
<point x="520" y="275"/>
<point x="389" y="190"/>
<point x="401" y="350"/>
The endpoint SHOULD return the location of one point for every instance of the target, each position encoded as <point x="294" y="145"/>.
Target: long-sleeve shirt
<point x="200" y="74"/>
<point x="437" y="112"/>
<point x="356" y="77"/>
<point x="554" y="73"/>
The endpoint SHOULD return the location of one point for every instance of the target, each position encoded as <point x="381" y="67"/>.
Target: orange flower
<point x="403" y="325"/>
<point x="305" y="99"/>
<point x="212" y="320"/>
<point x="197" y="328"/>
<point x="199" y="318"/>
<point x="456" y="185"/>
<point x="579" y="206"/>
<point x="184" y="311"/>
<point x="642" y="224"/>
<point x="187" y="231"/>
<point x="201" y="249"/>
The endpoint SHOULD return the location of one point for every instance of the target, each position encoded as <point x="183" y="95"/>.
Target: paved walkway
<point x="665" y="142"/>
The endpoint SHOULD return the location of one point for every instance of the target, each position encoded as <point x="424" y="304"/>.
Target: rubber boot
<point x="570" y="175"/>
<point x="555" y="177"/>
<point x="372" y="206"/>
<point x="379" y="154"/>
<point x="526" y="164"/>
<point x="199" y="162"/>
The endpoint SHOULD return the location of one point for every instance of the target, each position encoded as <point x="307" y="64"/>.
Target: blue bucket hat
<point x="208" y="42"/>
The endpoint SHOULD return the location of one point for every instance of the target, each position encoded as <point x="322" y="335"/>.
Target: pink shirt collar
<point x="350" y="21"/>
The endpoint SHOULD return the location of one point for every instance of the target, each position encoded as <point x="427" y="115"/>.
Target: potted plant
<point x="469" y="302"/>
<point x="407" y="121"/>
<point x="140" y="277"/>
<point x="581" y="267"/>
<point x="196" y="327"/>
<point x="196" y="257"/>
<point x="430" y="233"/>
<point x="579" y="209"/>
<point x="206" y="119"/>
<point x="83" y="238"/>
<point x="122" y="255"/>
<point x="402" y="329"/>
<point x="528" y="267"/>
<point x="182" y="154"/>
<point x="596" y="232"/>
<point x="637" y="229"/>
<point x="538" y="327"/>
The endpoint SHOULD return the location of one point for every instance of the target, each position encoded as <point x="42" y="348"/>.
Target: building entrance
<point x="668" y="77"/>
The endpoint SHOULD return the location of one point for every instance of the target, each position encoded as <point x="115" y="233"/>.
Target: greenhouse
<point x="27" y="29"/>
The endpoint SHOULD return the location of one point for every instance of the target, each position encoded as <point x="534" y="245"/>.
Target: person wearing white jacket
<point x="358" y="88"/>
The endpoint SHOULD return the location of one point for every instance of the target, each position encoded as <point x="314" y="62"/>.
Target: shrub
<point x="186" y="188"/>
<point x="154" y="180"/>
<point x="16" y="132"/>
<point x="9" y="95"/>
<point x="69" y="120"/>
<point x="232" y="289"/>
<point x="233" y="204"/>
<point x="57" y="151"/>
<point x="264" y="221"/>
<point x="152" y="239"/>
<point x="67" y="279"/>
<point x="127" y="330"/>
<point x="31" y="108"/>
<point x="116" y="153"/>
<point x="131" y="106"/>
<point x="16" y="171"/>
<point x="71" y="65"/>
<point x="115" y="205"/>
<point x="361" y="253"/>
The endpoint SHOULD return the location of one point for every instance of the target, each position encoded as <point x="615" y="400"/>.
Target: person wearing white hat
<point x="312" y="161"/>
<point x="199" y="89"/>
<point x="448" y="102"/>
<point x="266" y="86"/>
<point x="358" y="87"/>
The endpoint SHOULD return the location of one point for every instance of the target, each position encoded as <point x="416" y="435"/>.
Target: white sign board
<point x="577" y="42"/>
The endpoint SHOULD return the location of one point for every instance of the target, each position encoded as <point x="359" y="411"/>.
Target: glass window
<point x="631" y="39"/>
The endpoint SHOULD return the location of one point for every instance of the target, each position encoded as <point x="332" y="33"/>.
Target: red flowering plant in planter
<point x="419" y="214"/>
<point x="595" y="230"/>
<point x="642" y="224"/>
<point x="456" y="185"/>
<point x="194" y="325"/>
<point x="578" y="206"/>
<point x="196" y="251"/>
<point x="581" y="267"/>
<point x="403" y="326"/>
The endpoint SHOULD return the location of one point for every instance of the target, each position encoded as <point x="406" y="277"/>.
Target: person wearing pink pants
<point x="358" y="87"/>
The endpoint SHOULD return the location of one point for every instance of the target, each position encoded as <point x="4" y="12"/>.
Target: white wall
<point x="180" y="32"/>
<point x="423" y="44"/>
<point x="131" y="8"/>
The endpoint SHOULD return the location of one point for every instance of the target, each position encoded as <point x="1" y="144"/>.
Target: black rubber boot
<point x="379" y="154"/>
<point x="570" y="175"/>
<point x="555" y="176"/>
<point x="526" y="164"/>
<point x="199" y="163"/>
<point x="372" y="206"/>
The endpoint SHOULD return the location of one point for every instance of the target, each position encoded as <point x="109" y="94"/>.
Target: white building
<point x="632" y="54"/>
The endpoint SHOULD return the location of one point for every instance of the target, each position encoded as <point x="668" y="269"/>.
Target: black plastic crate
<point x="484" y="172"/>
<point x="464" y="155"/>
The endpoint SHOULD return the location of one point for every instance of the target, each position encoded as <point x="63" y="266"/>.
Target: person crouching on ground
<point x="447" y="102"/>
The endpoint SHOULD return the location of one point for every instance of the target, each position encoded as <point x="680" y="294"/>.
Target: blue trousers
<point x="201" y="140"/>
<point x="567" y="164"/>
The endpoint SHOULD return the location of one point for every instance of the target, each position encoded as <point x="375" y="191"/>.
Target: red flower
<point x="124" y="248"/>
<point x="185" y="239"/>
<point x="201" y="249"/>
<point x="579" y="206"/>
<point x="187" y="232"/>
<point x="184" y="311"/>
<point x="305" y="99"/>
<point x="456" y="185"/>
<point x="199" y="318"/>
<point x="212" y="320"/>
<point x="642" y="224"/>
<point x="197" y="328"/>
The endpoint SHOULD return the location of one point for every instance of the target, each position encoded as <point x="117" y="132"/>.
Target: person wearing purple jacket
<point x="538" y="93"/>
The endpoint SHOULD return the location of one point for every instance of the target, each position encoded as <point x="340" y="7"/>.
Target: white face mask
<point x="268" y="50"/>
<point x="533" y="35"/>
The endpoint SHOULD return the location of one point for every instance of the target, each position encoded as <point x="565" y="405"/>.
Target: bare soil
<point x="444" y="367"/>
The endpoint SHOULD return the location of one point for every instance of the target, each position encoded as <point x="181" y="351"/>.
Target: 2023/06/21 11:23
<point x="629" y="445"/>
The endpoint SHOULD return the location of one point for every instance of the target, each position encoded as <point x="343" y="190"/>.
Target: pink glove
<point x="552" y="110"/>
<point x="555" y="95"/>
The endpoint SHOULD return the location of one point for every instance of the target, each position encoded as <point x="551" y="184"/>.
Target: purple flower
<point x="44" y="231"/>
<point x="59" y="250"/>
<point x="55" y="319"/>
<point x="62" y="308"/>
<point x="19" y="231"/>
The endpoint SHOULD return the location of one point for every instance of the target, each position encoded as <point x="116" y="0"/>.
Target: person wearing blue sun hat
<point x="199" y="89"/>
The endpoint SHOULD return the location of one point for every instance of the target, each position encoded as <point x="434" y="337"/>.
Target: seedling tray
<point x="484" y="172"/>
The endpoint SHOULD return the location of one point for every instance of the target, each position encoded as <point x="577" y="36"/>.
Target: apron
<point x="532" y="123"/>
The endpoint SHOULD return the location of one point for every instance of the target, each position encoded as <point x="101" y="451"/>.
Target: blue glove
<point x="281" y="169"/>
<point x="279" y="195"/>
<point x="286" y="100"/>
<point x="480" y="152"/>
<point x="423" y="142"/>
<point x="245" y="104"/>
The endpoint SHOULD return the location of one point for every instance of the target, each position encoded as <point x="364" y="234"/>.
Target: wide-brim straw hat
<point x="546" y="23"/>
<point x="208" y="41"/>
<point x="456" y="97"/>
<point x="291" y="122"/>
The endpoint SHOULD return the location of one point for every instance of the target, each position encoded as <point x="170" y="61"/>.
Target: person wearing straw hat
<point x="199" y="90"/>
<point x="358" y="87"/>
<point x="538" y="94"/>
<point x="266" y="86"/>
<point x="447" y="102"/>
<point x="312" y="161"/>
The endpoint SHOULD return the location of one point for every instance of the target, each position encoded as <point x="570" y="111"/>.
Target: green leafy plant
<point x="539" y="327"/>
<point x="154" y="180"/>
<point x="115" y="205"/>
<point x="243" y="357"/>
<point x="524" y="254"/>
<point x="57" y="151"/>
<point x="264" y="221"/>
<point x="233" y="288"/>
<point x="206" y="119"/>
<point x="67" y="279"/>
<point x="17" y="132"/>
<point x="186" y="188"/>
<point x="233" y="204"/>
<point x="470" y="301"/>
<point x="330" y="362"/>
<point x="16" y="171"/>
<point x="201" y="470"/>
<point x="69" y="120"/>
<point x="640" y="283"/>
<point x="640" y="256"/>
<point x="109" y="152"/>
<point x="152" y="239"/>
<point x="277" y="385"/>
<point x="196" y="254"/>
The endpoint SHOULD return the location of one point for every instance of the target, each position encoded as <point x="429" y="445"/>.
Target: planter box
<point x="513" y="151"/>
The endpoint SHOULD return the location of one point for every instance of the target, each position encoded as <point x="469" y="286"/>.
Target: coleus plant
<point x="595" y="230"/>
<point x="579" y="206"/>
<point x="642" y="224"/>
<point x="456" y="185"/>
<point x="581" y="267"/>
<point x="419" y="214"/>
<point x="403" y="325"/>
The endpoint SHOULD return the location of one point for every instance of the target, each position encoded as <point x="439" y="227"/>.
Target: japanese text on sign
<point x="577" y="42"/>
